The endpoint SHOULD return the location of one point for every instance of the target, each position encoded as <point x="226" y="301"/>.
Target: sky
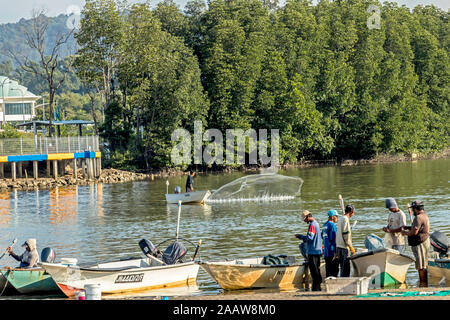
<point x="14" y="10"/>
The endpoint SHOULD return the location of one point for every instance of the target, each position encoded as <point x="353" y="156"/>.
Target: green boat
<point x="34" y="280"/>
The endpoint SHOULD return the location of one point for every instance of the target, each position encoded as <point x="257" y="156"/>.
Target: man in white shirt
<point x="344" y="241"/>
<point x="396" y="221"/>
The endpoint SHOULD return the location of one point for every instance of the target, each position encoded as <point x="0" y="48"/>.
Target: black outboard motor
<point x="48" y="255"/>
<point x="148" y="248"/>
<point x="174" y="253"/>
<point x="440" y="243"/>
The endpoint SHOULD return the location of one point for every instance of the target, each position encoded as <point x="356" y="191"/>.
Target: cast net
<point x="259" y="187"/>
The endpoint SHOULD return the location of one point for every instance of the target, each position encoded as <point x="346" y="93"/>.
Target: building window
<point x="18" y="108"/>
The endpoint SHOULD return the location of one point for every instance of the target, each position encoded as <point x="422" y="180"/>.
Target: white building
<point x="17" y="101"/>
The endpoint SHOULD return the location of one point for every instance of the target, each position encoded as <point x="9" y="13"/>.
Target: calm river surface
<point x="105" y="222"/>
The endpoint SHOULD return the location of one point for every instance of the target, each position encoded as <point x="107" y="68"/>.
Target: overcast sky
<point x="14" y="10"/>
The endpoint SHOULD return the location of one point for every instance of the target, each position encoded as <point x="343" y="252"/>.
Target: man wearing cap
<point x="396" y="221"/>
<point x="190" y="182"/>
<point x="329" y="230"/>
<point x="419" y="240"/>
<point x="30" y="257"/>
<point x="344" y="240"/>
<point x="314" y="251"/>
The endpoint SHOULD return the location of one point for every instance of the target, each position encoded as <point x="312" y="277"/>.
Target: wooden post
<point x="83" y="167"/>
<point x="13" y="171"/>
<point x="35" y="170"/>
<point x="90" y="168"/>
<point x="48" y="169"/>
<point x="99" y="166"/>
<point x="55" y="169"/>
<point x="2" y="171"/>
<point x="75" y="175"/>
<point x="19" y="170"/>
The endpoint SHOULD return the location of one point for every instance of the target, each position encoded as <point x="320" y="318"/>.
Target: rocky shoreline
<point x="109" y="176"/>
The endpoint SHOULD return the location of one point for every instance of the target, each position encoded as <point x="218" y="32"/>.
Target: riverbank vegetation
<point x="335" y="88"/>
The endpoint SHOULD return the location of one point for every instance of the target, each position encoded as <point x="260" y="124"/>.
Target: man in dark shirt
<point x="419" y="240"/>
<point x="190" y="182"/>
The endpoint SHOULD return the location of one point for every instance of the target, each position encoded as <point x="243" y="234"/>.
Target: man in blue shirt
<point x="190" y="182"/>
<point x="329" y="231"/>
<point x="314" y="241"/>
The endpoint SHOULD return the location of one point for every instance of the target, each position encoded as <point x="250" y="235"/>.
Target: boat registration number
<point x="127" y="278"/>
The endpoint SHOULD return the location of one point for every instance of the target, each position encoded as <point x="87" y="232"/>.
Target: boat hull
<point x="233" y="276"/>
<point x="71" y="279"/>
<point x="188" y="197"/>
<point x="28" y="281"/>
<point x="9" y="287"/>
<point x="438" y="269"/>
<point x="386" y="267"/>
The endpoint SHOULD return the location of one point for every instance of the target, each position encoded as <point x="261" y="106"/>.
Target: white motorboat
<point x="385" y="266"/>
<point x="188" y="197"/>
<point x="122" y="276"/>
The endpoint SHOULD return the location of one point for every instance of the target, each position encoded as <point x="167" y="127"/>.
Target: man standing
<point x="396" y="221"/>
<point x="314" y="242"/>
<point x="30" y="257"/>
<point x="344" y="241"/>
<point x="190" y="182"/>
<point x="329" y="230"/>
<point x="419" y="240"/>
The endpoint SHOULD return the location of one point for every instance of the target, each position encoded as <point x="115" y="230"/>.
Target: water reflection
<point x="105" y="222"/>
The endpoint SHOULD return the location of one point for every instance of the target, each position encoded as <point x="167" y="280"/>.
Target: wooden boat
<point x="27" y="281"/>
<point x="439" y="268"/>
<point x="385" y="266"/>
<point x="122" y="276"/>
<point x="251" y="273"/>
<point x="6" y="287"/>
<point x="188" y="197"/>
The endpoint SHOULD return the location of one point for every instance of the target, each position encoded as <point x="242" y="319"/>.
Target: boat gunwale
<point x="383" y="250"/>
<point x="255" y="266"/>
<point x="116" y="270"/>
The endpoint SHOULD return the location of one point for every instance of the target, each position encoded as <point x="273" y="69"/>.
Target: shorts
<point x="422" y="253"/>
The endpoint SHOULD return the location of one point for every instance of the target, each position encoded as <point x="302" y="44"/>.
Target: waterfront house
<point x="16" y="102"/>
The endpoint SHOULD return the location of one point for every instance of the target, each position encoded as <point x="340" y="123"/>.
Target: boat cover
<point x="174" y="252"/>
<point x="373" y="242"/>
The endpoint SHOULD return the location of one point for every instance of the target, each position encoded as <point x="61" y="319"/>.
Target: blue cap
<point x="332" y="213"/>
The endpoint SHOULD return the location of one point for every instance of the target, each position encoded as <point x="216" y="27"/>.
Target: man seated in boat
<point x="396" y="221"/>
<point x="28" y="259"/>
<point x="190" y="182"/>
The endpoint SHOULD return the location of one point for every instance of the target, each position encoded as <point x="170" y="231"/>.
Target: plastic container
<point x="93" y="291"/>
<point x="80" y="295"/>
<point x="349" y="286"/>
<point x="69" y="261"/>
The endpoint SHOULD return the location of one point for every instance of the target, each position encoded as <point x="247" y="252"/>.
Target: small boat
<point x="6" y="287"/>
<point x="122" y="276"/>
<point x="251" y="273"/>
<point x="384" y="265"/>
<point x="439" y="261"/>
<point x="188" y="197"/>
<point x="30" y="280"/>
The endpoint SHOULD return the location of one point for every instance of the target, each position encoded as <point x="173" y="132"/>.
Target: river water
<point x="105" y="222"/>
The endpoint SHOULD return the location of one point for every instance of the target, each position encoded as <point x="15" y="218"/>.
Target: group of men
<point x="334" y="241"/>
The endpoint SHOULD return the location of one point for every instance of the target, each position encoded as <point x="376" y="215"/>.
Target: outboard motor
<point x="48" y="255"/>
<point x="373" y="242"/>
<point x="440" y="243"/>
<point x="148" y="248"/>
<point x="174" y="253"/>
